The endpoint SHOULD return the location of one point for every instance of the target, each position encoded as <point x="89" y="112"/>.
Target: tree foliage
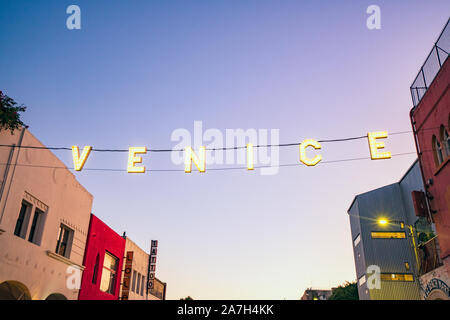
<point x="10" y="113"/>
<point x="347" y="291"/>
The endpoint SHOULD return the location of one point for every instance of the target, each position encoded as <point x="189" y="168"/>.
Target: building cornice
<point x="64" y="260"/>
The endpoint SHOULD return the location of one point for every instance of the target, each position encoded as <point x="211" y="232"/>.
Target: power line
<point x="210" y="169"/>
<point x="209" y="149"/>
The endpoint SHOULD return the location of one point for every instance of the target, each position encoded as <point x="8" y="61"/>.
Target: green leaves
<point x="347" y="291"/>
<point x="10" y="113"/>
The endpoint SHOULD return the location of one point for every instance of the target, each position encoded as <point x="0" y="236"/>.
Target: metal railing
<point x="435" y="60"/>
<point x="429" y="256"/>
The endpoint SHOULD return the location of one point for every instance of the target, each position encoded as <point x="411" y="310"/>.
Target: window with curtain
<point x="109" y="273"/>
<point x="63" y="243"/>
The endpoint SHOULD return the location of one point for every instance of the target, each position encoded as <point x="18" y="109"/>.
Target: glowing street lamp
<point x="383" y="221"/>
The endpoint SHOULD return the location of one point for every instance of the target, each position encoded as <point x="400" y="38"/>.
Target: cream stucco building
<point x="136" y="269"/>
<point x="44" y="219"/>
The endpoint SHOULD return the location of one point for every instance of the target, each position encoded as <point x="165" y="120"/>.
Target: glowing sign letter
<point x="303" y="158"/>
<point x="250" y="156"/>
<point x="374" y="145"/>
<point x="132" y="159"/>
<point x="78" y="162"/>
<point x="190" y="156"/>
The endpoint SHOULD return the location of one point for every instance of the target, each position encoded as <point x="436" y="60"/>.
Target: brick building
<point x="430" y="118"/>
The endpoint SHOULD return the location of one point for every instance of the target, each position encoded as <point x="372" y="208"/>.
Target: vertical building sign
<point x="152" y="265"/>
<point x="127" y="275"/>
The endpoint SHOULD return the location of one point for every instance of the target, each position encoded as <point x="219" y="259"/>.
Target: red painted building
<point x="103" y="260"/>
<point x="430" y="119"/>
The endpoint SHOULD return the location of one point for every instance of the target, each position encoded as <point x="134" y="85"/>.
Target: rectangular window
<point x="22" y="221"/>
<point x="357" y="240"/>
<point x="388" y="235"/>
<point x="109" y="273"/>
<point x="138" y="283"/>
<point x="36" y="225"/>
<point x="142" y="285"/>
<point x="64" y="241"/>
<point x="133" y="285"/>
<point x="396" y="277"/>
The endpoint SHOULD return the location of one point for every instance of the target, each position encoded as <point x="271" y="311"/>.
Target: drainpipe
<point x="5" y="175"/>
<point x="13" y="171"/>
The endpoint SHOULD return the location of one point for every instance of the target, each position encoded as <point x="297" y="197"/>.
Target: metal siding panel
<point x="391" y="290"/>
<point x="360" y="264"/>
<point x="411" y="182"/>
<point x="389" y="254"/>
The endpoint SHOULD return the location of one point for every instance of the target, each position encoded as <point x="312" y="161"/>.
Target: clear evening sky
<point x="137" y="70"/>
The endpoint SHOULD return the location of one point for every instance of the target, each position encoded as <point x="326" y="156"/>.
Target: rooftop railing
<point x="435" y="60"/>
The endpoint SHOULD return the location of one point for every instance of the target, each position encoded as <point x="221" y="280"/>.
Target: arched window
<point x="445" y="139"/>
<point x="14" y="290"/>
<point x="56" y="296"/>
<point x="437" y="148"/>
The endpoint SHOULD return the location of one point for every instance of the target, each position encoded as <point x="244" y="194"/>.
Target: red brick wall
<point x="432" y="112"/>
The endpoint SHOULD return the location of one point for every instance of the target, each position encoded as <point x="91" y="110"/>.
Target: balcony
<point x="428" y="256"/>
<point x="435" y="60"/>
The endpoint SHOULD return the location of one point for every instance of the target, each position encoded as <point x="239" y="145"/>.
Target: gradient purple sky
<point x="137" y="70"/>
